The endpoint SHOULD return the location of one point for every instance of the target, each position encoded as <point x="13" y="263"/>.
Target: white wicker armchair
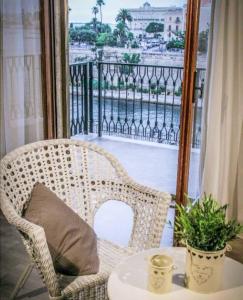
<point x="84" y="176"/>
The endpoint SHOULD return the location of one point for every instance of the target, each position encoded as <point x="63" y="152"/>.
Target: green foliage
<point x="103" y="28"/>
<point x="202" y="225"/>
<point x="134" y="45"/>
<point x="104" y="85"/>
<point x="95" y="10"/>
<point x="124" y="16"/>
<point x="101" y="39"/>
<point x="153" y="88"/>
<point x="72" y="34"/>
<point x="100" y="3"/>
<point x="142" y="90"/>
<point x="131" y="58"/>
<point x="175" y="44"/>
<point x="111" y="40"/>
<point x="88" y="36"/>
<point x="178" y="92"/>
<point x="88" y="33"/>
<point x="203" y="41"/>
<point x="121" y="32"/>
<point x="121" y="84"/>
<point x="82" y="34"/>
<point x="154" y="27"/>
<point x="178" y="42"/>
<point x="106" y="39"/>
<point x="130" y="36"/>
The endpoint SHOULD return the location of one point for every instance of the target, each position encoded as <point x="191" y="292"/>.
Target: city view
<point x="148" y="34"/>
<point x="134" y="54"/>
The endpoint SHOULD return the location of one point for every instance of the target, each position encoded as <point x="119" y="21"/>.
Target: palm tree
<point x="121" y="32"/>
<point x="124" y="16"/>
<point x="95" y="11"/>
<point x="100" y="3"/>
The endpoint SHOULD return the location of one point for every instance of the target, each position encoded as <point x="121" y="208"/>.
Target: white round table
<point x="128" y="281"/>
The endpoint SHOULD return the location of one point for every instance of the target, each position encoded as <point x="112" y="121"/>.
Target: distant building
<point x="171" y="17"/>
<point x="205" y="15"/>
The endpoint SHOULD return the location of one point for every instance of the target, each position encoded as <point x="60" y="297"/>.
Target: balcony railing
<point x="131" y="100"/>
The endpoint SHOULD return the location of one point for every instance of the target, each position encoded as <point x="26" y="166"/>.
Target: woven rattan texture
<point x="84" y="176"/>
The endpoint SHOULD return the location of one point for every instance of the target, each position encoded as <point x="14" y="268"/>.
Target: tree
<point x="73" y="34"/>
<point x="95" y="11"/>
<point x="82" y="34"/>
<point x="103" y="28"/>
<point x="154" y="27"/>
<point x="124" y="16"/>
<point x="130" y="36"/>
<point x="111" y="40"/>
<point x="100" y="3"/>
<point x="135" y="44"/>
<point x="178" y="42"/>
<point x="203" y="41"/>
<point x="102" y="39"/>
<point x="120" y="32"/>
<point x="88" y="36"/>
<point x="131" y="58"/>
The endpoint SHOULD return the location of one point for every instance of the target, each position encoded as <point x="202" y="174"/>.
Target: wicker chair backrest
<point x="73" y="170"/>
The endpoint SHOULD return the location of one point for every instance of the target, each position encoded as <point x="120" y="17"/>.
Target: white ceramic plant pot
<point x="204" y="270"/>
<point x="160" y="274"/>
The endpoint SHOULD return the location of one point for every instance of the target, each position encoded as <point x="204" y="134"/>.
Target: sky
<point x="81" y="9"/>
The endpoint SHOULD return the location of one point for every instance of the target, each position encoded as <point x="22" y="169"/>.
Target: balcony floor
<point x="148" y="163"/>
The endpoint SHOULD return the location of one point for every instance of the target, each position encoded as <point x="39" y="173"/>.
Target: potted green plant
<point x="203" y="227"/>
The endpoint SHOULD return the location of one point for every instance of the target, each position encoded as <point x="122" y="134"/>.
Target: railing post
<point x="99" y="99"/>
<point x="91" y="111"/>
<point x="196" y="87"/>
<point x="71" y="106"/>
<point x="86" y="118"/>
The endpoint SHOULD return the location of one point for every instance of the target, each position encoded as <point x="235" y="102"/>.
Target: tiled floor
<point x="149" y="164"/>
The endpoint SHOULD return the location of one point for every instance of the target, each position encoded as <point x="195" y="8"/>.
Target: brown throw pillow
<point x="71" y="241"/>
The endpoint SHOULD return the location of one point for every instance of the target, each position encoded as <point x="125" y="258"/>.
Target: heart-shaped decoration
<point x="201" y="273"/>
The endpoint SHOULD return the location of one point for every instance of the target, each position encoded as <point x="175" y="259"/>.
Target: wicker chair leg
<point x="22" y="279"/>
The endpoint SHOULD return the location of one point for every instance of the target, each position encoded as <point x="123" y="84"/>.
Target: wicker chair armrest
<point x="85" y="281"/>
<point x="36" y="244"/>
<point x="148" y="227"/>
<point x="149" y="191"/>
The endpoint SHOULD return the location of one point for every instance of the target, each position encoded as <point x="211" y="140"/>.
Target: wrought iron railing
<point x="129" y="100"/>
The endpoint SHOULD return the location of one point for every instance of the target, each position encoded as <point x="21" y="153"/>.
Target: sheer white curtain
<point x="21" y="98"/>
<point x="222" y="150"/>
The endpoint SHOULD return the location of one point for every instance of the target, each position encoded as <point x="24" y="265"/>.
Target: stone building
<point x="171" y="17"/>
<point x="205" y="15"/>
